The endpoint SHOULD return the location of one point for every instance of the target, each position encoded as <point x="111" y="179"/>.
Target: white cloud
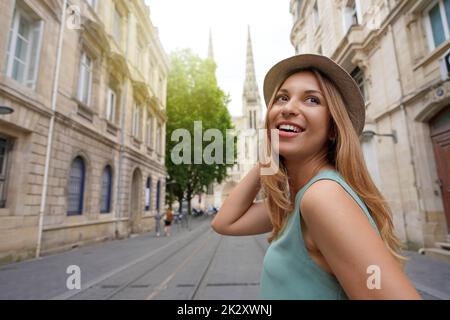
<point x="186" y="24"/>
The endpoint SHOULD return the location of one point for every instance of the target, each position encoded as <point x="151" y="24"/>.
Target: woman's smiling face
<point x="301" y="117"/>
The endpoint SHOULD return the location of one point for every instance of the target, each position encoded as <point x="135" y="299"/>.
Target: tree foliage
<point x="193" y="95"/>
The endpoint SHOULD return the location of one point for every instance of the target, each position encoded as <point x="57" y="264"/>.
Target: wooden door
<point x="440" y="135"/>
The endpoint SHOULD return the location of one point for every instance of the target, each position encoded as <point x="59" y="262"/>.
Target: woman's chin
<point x="289" y="153"/>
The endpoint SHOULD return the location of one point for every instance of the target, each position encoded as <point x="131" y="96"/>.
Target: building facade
<point x="394" y="49"/>
<point x="82" y="155"/>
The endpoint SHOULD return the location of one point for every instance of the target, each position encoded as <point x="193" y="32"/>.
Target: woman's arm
<point x="351" y="246"/>
<point x="239" y="215"/>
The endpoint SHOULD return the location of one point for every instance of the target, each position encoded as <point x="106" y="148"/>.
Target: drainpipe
<point x="411" y="150"/>
<point x="122" y="134"/>
<point x="51" y="128"/>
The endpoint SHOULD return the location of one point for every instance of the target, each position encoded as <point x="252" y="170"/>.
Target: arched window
<point x="106" y="190"/>
<point x="75" y="193"/>
<point x="158" y="193"/>
<point x="148" y="194"/>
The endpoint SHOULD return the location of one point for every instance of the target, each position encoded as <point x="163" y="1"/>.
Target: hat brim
<point x="351" y="94"/>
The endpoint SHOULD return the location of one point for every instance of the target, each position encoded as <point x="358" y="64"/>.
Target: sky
<point x="186" y="24"/>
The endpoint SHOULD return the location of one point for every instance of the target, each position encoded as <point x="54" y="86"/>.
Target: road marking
<point x="163" y="284"/>
<point x="68" y="294"/>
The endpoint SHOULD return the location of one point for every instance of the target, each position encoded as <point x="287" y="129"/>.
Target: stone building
<point x="395" y="50"/>
<point x="82" y="155"/>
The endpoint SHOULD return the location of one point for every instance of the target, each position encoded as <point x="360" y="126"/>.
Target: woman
<point x="331" y="230"/>
<point x="168" y="222"/>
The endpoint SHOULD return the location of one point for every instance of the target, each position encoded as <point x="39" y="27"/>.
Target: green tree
<point x="193" y="95"/>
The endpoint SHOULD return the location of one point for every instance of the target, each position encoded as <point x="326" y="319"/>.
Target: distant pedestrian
<point x="168" y="222"/>
<point x="333" y="238"/>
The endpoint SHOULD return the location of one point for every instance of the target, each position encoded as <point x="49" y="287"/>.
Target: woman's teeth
<point x="289" y="128"/>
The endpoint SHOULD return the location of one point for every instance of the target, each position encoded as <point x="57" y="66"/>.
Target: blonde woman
<point x="331" y="230"/>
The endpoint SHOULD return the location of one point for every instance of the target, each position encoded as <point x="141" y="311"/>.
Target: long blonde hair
<point x="345" y="154"/>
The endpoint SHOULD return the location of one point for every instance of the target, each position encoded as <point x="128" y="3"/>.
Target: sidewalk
<point x="430" y="276"/>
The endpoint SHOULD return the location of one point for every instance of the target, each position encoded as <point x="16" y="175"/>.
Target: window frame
<point x="158" y="138"/>
<point x="149" y="131"/>
<point x="79" y="210"/>
<point x="148" y="194"/>
<point x="158" y="195"/>
<point x="428" y="27"/>
<point x="111" y="105"/>
<point x="4" y="171"/>
<point x="107" y="170"/>
<point x="136" y="129"/>
<point x="358" y="75"/>
<point x="34" y="43"/>
<point x="81" y="78"/>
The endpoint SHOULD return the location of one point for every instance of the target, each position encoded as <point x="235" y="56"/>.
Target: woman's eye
<point x="281" y="98"/>
<point x="314" y="100"/>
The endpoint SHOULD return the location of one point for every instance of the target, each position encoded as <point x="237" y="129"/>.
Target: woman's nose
<point x="290" y="109"/>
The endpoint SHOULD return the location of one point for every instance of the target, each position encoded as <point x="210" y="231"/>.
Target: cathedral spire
<point x="251" y="104"/>
<point x="210" y="47"/>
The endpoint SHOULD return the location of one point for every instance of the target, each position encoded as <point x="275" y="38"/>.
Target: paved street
<point x="196" y="264"/>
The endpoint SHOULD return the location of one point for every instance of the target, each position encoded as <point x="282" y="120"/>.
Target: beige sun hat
<point x="354" y="101"/>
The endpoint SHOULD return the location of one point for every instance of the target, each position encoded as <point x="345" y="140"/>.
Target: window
<point x="254" y="119"/>
<point x="117" y="27"/>
<point x="358" y="76"/>
<point x="158" y="195"/>
<point x="136" y="121"/>
<point x="75" y="193"/>
<point x="24" y="46"/>
<point x="148" y="194"/>
<point x="158" y="138"/>
<point x="5" y="149"/>
<point x="85" y="80"/>
<point x="352" y="14"/>
<point x="111" y="106"/>
<point x="149" y="132"/>
<point x="106" y="190"/>
<point x="438" y="23"/>
<point x="250" y="120"/>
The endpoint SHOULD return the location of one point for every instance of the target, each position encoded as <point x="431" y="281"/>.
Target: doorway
<point x="440" y="135"/>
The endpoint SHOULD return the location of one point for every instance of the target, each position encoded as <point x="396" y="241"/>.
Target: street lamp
<point x="370" y="134"/>
<point x="6" y="110"/>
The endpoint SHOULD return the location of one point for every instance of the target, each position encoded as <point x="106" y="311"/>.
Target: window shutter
<point x="36" y="43"/>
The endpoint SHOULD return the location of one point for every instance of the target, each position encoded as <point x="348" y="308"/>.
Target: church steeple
<point x="251" y="103"/>
<point x="210" y="47"/>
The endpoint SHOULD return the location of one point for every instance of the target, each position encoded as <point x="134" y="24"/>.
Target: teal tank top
<point x="288" y="271"/>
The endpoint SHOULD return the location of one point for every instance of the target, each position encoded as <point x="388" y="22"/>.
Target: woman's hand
<point x="239" y="215"/>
